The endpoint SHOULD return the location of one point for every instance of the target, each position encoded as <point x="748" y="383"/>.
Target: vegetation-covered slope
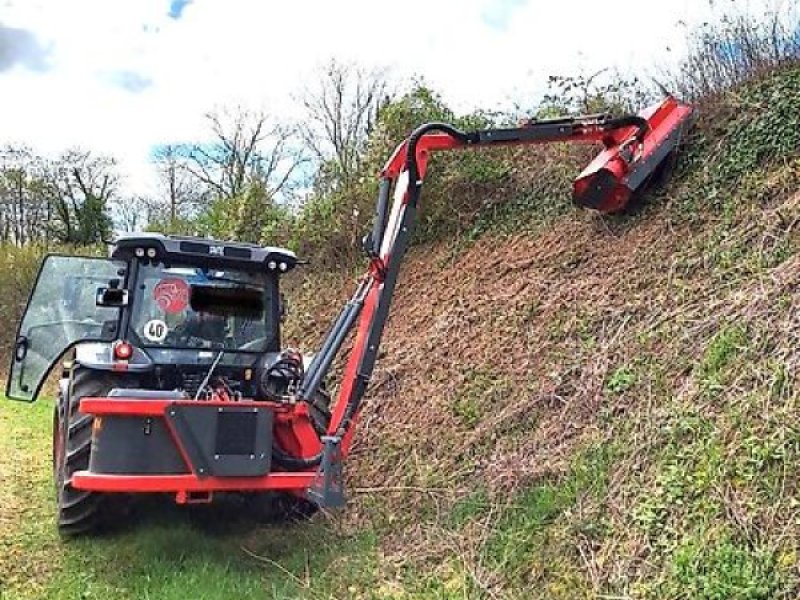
<point x="608" y="403"/>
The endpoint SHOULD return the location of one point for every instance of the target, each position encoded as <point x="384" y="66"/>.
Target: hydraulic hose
<point x="294" y="463"/>
<point x="416" y="136"/>
<point x="630" y="121"/>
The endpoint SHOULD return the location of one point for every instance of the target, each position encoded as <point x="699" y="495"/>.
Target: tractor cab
<point x="160" y="307"/>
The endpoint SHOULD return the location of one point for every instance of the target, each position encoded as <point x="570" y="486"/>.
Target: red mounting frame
<point x="293" y="432"/>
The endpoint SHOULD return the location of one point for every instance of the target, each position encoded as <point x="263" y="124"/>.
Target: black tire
<point x="78" y="511"/>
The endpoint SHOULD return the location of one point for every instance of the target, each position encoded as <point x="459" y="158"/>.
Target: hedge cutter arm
<point x="633" y="148"/>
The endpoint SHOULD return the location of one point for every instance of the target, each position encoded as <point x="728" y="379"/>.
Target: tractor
<point x="175" y="379"/>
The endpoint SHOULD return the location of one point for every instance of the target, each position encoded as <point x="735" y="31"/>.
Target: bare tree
<point x="79" y="187"/>
<point x="340" y="111"/>
<point x="181" y="191"/>
<point x="249" y="148"/>
<point x="23" y="210"/>
<point x="134" y="213"/>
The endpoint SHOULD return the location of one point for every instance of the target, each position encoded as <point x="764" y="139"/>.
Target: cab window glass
<point x="61" y="311"/>
<point x="190" y="307"/>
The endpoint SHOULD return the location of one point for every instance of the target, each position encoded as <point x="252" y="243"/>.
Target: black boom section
<point x="333" y="342"/>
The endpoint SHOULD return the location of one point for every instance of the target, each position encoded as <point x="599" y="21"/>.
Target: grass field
<point x="164" y="553"/>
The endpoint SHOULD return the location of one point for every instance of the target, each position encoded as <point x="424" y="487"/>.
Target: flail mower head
<point x="632" y="156"/>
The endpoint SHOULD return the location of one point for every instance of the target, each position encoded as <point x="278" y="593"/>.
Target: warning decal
<point x="171" y="295"/>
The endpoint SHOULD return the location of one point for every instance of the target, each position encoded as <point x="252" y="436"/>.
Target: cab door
<point x="62" y="310"/>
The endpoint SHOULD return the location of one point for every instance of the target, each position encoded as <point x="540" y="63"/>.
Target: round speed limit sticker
<point x="155" y="330"/>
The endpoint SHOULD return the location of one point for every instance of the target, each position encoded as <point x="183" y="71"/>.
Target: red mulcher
<point x="176" y="381"/>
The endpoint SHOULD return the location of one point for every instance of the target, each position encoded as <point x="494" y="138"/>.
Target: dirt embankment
<point x="503" y="361"/>
<point x="509" y="335"/>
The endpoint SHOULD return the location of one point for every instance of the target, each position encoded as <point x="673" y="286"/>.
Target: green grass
<point x="621" y="380"/>
<point x="531" y="543"/>
<point x="720" y="570"/>
<point x="480" y="390"/>
<point x="164" y="552"/>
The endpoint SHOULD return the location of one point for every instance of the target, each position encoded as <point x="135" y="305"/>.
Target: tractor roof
<point x="203" y="252"/>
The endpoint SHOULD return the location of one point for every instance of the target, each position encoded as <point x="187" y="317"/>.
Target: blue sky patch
<point x="130" y="81"/>
<point x="178" y="149"/>
<point x="176" y="8"/>
<point x="497" y="14"/>
<point x="21" y="47"/>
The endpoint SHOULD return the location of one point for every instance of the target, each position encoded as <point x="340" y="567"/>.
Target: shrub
<point x="18" y="267"/>
<point x="736" y="48"/>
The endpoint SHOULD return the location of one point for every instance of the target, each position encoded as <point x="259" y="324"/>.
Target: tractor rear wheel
<point x="78" y="511"/>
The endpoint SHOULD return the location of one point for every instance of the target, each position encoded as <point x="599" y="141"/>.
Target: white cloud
<point x="126" y="76"/>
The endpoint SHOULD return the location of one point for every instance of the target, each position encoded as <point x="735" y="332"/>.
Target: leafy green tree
<point x="253" y="216"/>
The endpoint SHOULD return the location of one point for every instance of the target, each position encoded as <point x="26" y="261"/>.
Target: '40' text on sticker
<point x="155" y="330"/>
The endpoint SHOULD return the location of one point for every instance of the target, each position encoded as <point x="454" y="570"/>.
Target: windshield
<point x="191" y="307"/>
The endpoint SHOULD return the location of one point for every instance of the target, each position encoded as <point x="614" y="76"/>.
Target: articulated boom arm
<point x="634" y="147"/>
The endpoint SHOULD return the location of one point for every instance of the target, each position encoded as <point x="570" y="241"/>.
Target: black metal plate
<point x="601" y="185"/>
<point x="236" y="433"/>
<point x="131" y="445"/>
<point x="233" y="441"/>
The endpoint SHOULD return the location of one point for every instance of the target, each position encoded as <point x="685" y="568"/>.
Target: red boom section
<point x="607" y="184"/>
<point x="635" y="147"/>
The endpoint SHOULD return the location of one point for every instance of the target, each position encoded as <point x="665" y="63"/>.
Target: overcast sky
<point x="120" y="76"/>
